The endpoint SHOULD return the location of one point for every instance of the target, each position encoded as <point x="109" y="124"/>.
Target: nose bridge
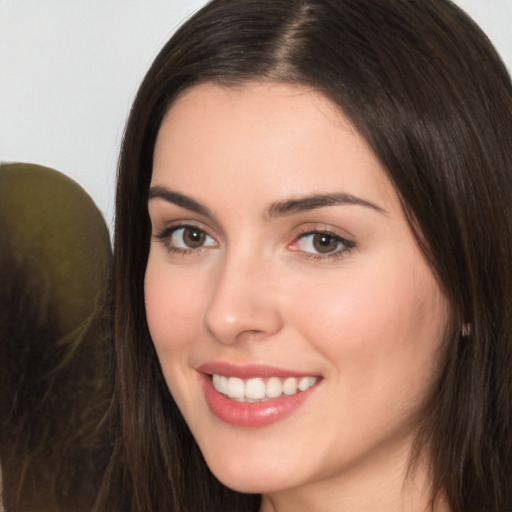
<point x="241" y="299"/>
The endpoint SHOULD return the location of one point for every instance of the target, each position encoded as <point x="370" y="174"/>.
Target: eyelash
<point x="167" y="233"/>
<point x="347" y="245"/>
<point x="165" y="236"/>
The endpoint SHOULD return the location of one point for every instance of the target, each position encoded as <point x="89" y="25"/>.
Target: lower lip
<point x="255" y="414"/>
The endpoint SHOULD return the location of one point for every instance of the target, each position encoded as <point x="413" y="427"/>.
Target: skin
<point x="368" y="317"/>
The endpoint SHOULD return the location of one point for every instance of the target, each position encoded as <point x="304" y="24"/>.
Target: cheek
<point x="380" y="327"/>
<point x="174" y="315"/>
<point x="173" y="310"/>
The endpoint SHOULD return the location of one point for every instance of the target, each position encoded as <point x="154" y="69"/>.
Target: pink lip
<point x="244" y="414"/>
<point x="248" y="371"/>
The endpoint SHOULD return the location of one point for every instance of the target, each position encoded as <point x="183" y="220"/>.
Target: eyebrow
<point x="306" y="203"/>
<point x="179" y="200"/>
<point x="277" y="209"/>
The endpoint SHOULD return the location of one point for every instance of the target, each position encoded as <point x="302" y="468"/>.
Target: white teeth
<point x="274" y="388"/>
<point x="221" y="384"/>
<point x="290" y="386"/>
<point x="236" y="388"/>
<point x="256" y="389"/>
<point x="306" y="383"/>
<point x="224" y="384"/>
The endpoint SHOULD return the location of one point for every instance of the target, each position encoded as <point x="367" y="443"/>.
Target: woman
<point x="312" y="263"/>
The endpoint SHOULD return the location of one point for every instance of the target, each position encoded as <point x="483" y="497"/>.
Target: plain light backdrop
<point x="69" y="70"/>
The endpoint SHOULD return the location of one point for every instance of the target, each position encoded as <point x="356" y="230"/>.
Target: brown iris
<point x="325" y="243"/>
<point x="193" y="237"/>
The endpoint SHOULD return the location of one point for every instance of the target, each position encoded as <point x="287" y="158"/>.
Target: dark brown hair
<point x="426" y="89"/>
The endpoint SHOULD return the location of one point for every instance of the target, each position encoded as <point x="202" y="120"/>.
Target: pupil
<point x="324" y="243"/>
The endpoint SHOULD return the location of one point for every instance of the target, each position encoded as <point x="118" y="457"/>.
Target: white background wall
<point x="69" y="70"/>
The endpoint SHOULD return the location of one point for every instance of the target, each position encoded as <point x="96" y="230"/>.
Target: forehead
<point x="250" y="101"/>
<point x="289" y="139"/>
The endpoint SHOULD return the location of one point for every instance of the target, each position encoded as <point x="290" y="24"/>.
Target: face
<point x="297" y="324"/>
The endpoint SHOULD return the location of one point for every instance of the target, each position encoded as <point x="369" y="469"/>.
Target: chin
<point x="255" y="475"/>
<point x="251" y="483"/>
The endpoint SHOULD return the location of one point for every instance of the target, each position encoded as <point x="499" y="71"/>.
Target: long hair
<point x="425" y="88"/>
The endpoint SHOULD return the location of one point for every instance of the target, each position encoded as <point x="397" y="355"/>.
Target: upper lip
<point x="247" y="371"/>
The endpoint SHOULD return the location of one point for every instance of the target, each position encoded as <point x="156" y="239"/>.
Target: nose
<point x="244" y="302"/>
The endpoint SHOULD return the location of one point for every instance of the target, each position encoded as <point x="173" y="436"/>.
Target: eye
<point x="185" y="238"/>
<point x="322" y="244"/>
<point x="190" y="237"/>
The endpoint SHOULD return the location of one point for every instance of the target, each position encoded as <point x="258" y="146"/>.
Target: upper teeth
<point x="257" y="389"/>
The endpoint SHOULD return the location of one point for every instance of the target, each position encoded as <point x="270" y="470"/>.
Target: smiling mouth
<point x="258" y="389"/>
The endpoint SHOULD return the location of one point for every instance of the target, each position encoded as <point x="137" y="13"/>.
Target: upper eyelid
<point x="164" y="236"/>
<point x="174" y="225"/>
<point x="165" y="233"/>
<point x="164" y="220"/>
<point x="349" y="241"/>
<point x="320" y="227"/>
